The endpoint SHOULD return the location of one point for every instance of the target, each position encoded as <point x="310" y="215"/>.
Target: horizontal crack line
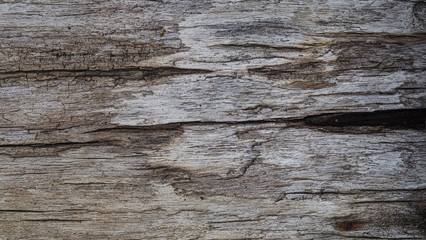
<point x="59" y="144"/>
<point x="397" y="118"/>
<point x="53" y="220"/>
<point x="22" y="211"/>
<point x="393" y="119"/>
<point x="88" y="72"/>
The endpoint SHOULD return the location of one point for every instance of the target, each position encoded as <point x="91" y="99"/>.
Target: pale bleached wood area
<point x="221" y="119"/>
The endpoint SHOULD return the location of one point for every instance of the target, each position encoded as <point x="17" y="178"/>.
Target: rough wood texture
<point x="221" y="119"/>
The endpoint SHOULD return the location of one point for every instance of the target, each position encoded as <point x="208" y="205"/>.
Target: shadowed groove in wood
<point x="403" y="118"/>
<point x="397" y="118"/>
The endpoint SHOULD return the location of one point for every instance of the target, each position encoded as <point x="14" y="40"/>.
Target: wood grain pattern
<point x="221" y="119"/>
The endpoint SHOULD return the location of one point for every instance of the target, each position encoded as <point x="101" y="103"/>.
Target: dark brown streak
<point x="53" y="220"/>
<point x="43" y="145"/>
<point x="22" y="211"/>
<point x="403" y="118"/>
<point x="390" y="201"/>
<point x="258" y="45"/>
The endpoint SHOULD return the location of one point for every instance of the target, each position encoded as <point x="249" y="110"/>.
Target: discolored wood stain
<point x="349" y="226"/>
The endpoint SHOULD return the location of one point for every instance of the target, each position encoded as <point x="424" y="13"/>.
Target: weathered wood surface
<point x="219" y="119"/>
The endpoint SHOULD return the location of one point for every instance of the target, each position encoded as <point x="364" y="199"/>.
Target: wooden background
<point x="220" y="119"/>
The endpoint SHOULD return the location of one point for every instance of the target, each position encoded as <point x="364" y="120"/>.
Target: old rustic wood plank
<point x="221" y="119"/>
<point x="261" y="180"/>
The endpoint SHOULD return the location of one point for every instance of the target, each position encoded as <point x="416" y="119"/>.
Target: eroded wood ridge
<point x="220" y="119"/>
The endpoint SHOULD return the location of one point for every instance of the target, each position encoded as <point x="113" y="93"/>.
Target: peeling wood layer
<point x="221" y="119"/>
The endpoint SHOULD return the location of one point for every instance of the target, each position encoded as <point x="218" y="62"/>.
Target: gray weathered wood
<point x="221" y="119"/>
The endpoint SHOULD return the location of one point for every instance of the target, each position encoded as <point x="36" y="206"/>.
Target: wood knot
<point x="348" y="226"/>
